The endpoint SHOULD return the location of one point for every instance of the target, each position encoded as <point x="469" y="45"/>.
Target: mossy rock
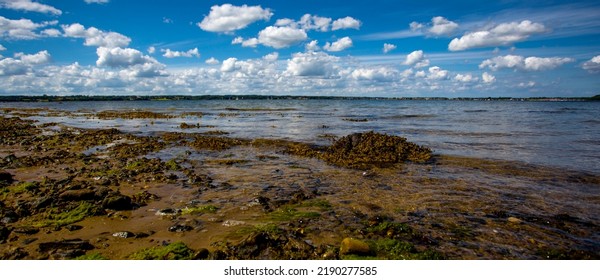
<point x="351" y="246"/>
<point x="370" y="148"/>
<point x="173" y="251"/>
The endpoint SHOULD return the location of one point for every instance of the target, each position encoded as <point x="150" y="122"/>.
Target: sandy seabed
<point x="69" y="193"/>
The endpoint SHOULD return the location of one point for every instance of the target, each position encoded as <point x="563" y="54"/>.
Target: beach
<point x="236" y="183"/>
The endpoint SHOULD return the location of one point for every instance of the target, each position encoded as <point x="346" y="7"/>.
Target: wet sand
<point x="75" y="193"/>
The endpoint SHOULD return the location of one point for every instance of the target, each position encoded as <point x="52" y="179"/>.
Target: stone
<point x="232" y="223"/>
<point x="6" y="178"/>
<point x="67" y="244"/>
<point x="73" y="227"/>
<point x="202" y="254"/>
<point x="117" y="202"/>
<point x="354" y="246"/>
<point x="77" y="195"/>
<point x="4" y="232"/>
<point x="123" y="234"/>
<point x="180" y="228"/>
<point x="514" y="220"/>
<point x="26" y="230"/>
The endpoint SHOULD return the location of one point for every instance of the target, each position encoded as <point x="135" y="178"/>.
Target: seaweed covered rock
<point x="370" y="148"/>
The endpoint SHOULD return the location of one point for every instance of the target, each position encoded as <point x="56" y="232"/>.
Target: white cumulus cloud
<point x="212" y="61"/>
<point x="250" y="43"/>
<point x="416" y="58"/>
<point x="338" y="45"/>
<point x="592" y="65"/>
<point x="228" y="18"/>
<point x="388" y="47"/>
<point x="21" y="29"/>
<point x="311" y="64"/>
<point x="22" y="63"/>
<point x="313" y="22"/>
<point x="440" y="26"/>
<point x="376" y="74"/>
<point x="437" y="73"/>
<point x="488" y="78"/>
<point x="122" y="57"/>
<point x="529" y="63"/>
<point x="172" y="54"/>
<point x="29" y="6"/>
<point x="500" y="35"/>
<point x="281" y="36"/>
<point x="465" y="78"/>
<point x="96" y="37"/>
<point x="346" y="23"/>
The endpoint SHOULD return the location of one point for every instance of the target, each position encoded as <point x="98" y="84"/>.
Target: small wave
<point x="475" y="111"/>
<point x="260" y="109"/>
<point x="416" y="116"/>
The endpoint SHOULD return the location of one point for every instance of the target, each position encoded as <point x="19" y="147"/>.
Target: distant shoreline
<point x="54" y="98"/>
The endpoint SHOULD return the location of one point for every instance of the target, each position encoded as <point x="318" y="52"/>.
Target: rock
<point x="180" y="228"/>
<point x="354" y="246"/>
<point x="514" y="220"/>
<point x="4" y="232"/>
<point x="168" y="212"/>
<point x="26" y="230"/>
<point x="117" y="202"/>
<point x="202" y="254"/>
<point x="77" y="195"/>
<point x="67" y="244"/>
<point x="73" y="227"/>
<point x="42" y="202"/>
<point x="232" y="223"/>
<point x="6" y="178"/>
<point x="123" y="234"/>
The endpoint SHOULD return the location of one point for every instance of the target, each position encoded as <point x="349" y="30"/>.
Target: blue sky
<point x="350" y="48"/>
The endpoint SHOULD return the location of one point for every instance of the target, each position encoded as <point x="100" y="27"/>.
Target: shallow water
<point x="558" y="134"/>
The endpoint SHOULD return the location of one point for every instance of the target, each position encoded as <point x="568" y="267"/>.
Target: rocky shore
<point x="69" y="193"/>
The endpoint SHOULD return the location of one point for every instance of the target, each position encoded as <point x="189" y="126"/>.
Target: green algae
<point x="199" y="210"/>
<point x="77" y="214"/>
<point x="287" y="213"/>
<point x="25" y="187"/>
<point x="173" y="251"/>
<point x="95" y="256"/>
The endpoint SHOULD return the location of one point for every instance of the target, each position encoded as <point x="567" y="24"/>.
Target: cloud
<point x="311" y="64"/>
<point x="96" y="1"/>
<point x="51" y="32"/>
<point x="416" y="58"/>
<point x="281" y="37"/>
<point x="229" y="65"/>
<point x="172" y="54"/>
<point x="151" y="49"/>
<point x="528" y="64"/>
<point x="346" y="23"/>
<point x="2" y="48"/>
<point x="22" y="63"/>
<point x="440" y="26"/>
<point x="95" y="37"/>
<point x="388" y="47"/>
<point x="310" y="22"/>
<point x="338" y="45"/>
<point x="312" y="46"/>
<point x="592" y="65"/>
<point x="228" y="18"/>
<point x="500" y="35"/>
<point x="32" y="59"/>
<point x="488" y="78"/>
<point x="375" y="74"/>
<point x="272" y="57"/>
<point x="21" y="29"/>
<point x="437" y="73"/>
<point x="250" y="43"/>
<point x="212" y="61"/>
<point x="121" y="58"/>
<point x="465" y="78"/>
<point x="29" y="6"/>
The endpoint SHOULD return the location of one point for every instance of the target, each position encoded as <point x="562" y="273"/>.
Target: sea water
<point x="557" y="134"/>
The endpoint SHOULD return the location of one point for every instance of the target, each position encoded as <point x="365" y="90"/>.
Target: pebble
<point x="514" y="220"/>
<point x="123" y="234"/>
<point x="232" y="223"/>
<point x="354" y="246"/>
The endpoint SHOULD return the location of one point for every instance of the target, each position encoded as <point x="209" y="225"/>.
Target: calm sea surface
<point x="562" y="134"/>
